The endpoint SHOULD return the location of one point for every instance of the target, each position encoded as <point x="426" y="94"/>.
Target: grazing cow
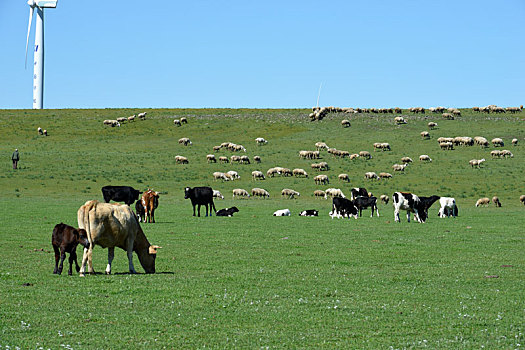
<point x="150" y="201"/>
<point x="227" y="212"/>
<point x="65" y="239"/>
<point x="114" y="225"/>
<point x="409" y="202"/>
<point x="343" y="208"/>
<point x="200" y="196"/>
<point x="428" y="201"/>
<point x="282" y="212"/>
<point x="365" y="202"/>
<point x="447" y="207"/>
<point x="358" y="191"/>
<point x="309" y="212"/>
<point x="126" y="194"/>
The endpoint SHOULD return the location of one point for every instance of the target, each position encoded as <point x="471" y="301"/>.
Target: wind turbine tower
<point x="38" y="54"/>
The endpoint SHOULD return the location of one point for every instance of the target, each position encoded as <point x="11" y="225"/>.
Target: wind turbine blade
<point x="31" y="9"/>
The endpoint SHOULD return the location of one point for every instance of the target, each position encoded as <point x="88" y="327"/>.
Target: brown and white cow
<point x="150" y="202"/>
<point x="114" y="225"/>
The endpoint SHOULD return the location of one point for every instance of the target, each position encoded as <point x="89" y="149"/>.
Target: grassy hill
<point x="254" y="280"/>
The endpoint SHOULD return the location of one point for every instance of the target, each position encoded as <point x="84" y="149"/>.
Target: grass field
<point x="254" y="280"/>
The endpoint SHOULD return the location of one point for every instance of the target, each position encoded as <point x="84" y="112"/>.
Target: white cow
<point x="448" y="207"/>
<point x="282" y="212"/>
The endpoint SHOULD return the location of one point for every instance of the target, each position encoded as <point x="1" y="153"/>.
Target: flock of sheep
<point x="117" y="122"/>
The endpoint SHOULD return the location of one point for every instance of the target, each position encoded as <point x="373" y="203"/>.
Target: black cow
<point x="140" y="211"/>
<point x="365" y="202"/>
<point x="358" y="191"/>
<point x="309" y="212"/>
<point x="427" y="202"/>
<point x="227" y="212"/>
<point x="200" y="196"/>
<point x="343" y="207"/>
<point x="65" y="239"/>
<point x="124" y="194"/>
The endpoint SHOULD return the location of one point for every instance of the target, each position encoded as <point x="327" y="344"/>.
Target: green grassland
<point x="254" y="280"/>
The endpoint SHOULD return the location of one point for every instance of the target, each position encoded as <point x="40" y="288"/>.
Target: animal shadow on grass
<point x="138" y="273"/>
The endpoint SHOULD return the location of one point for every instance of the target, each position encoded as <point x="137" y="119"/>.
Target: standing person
<point x="15" y="158"/>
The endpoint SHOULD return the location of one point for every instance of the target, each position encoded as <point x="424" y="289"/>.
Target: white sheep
<point x="181" y="160"/>
<point x="476" y="162"/>
<point x="256" y="174"/>
<point x="344" y="177"/>
<point x="286" y="192"/>
<point x="497" y="142"/>
<point x="239" y="192"/>
<point x="482" y="201"/>
<point x="42" y="133"/>
<point x="177" y="122"/>
<point x="261" y="141"/>
<point x="319" y="193"/>
<point x="399" y="167"/>
<point x="220" y="176"/>
<point x="217" y="194"/>
<point x="233" y="175"/>
<point x="515" y="142"/>
<point x="424" y="158"/>
<point x="299" y="172"/>
<point x="210" y="158"/>
<point x="371" y="175"/>
<point x="260" y="192"/>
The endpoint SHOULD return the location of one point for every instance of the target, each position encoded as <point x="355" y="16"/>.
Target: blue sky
<point x="268" y="54"/>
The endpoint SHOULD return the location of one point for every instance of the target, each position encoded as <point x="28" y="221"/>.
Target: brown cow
<point x="150" y="202"/>
<point x="114" y="225"/>
<point x="65" y="239"/>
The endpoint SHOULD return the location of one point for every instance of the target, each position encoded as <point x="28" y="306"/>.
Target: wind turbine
<point x="38" y="69"/>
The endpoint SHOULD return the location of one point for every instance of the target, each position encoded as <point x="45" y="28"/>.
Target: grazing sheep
<point x="321" y="145"/>
<point x="400" y="120"/>
<point x="385" y="175"/>
<point x="345" y="123"/>
<point x="365" y="155"/>
<point x="220" y="176"/>
<point x="256" y="174"/>
<point x="273" y="171"/>
<point x="334" y="192"/>
<point x="238" y="148"/>
<point x="447" y="116"/>
<point x="232" y="175"/>
<point x="236" y="159"/>
<point x="321" y="179"/>
<point x="286" y="192"/>
<point x="239" y="192"/>
<point x="299" y="172"/>
<point x="344" y="177"/>
<point x="482" y="201"/>
<point x="476" y="162"/>
<point x="131" y="118"/>
<point x="399" y="167"/>
<point x="354" y="156"/>
<point x="425" y="158"/>
<point x="177" y="122"/>
<point x="371" y="175"/>
<point x="45" y="130"/>
<point x="496" y="201"/>
<point x="384" y="198"/>
<point x="497" y="142"/>
<point x="446" y="145"/>
<point x="481" y="141"/>
<point x="142" y="115"/>
<point x="261" y="141"/>
<point x="323" y="166"/>
<point x="256" y="159"/>
<point x="217" y="194"/>
<point x="432" y="125"/>
<point x="111" y="122"/>
<point x="210" y="158"/>
<point x="505" y="153"/>
<point x="319" y="193"/>
<point x="183" y="120"/>
<point x="260" y="192"/>
<point x="496" y="154"/>
<point x="40" y="131"/>
<point x="425" y="135"/>
<point x="385" y="146"/>
<point x="223" y="160"/>
<point x="522" y="199"/>
<point x="406" y="160"/>
<point x="122" y="119"/>
<point x="216" y="148"/>
<point x="181" y="160"/>
<point x="185" y="141"/>
<point x="515" y="142"/>
<point x="245" y="160"/>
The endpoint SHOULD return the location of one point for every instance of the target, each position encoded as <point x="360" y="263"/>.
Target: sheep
<point x="447" y="116"/>
<point x="365" y="155"/>
<point x="286" y="192"/>
<point x="496" y="154"/>
<point x="344" y="177"/>
<point x="400" y="120"/>
<point x="224" y="160"/>
<point x="220" y="176"/>
<point x="463" y="141"/>
<point x="399" y="167"/>
<point x="505" y="153"/>
<point x="497" y="142"/>
<point x="245" y="160"/>
<point x="261" y="141"/>
<point x="320" y="193"/>
<point x="425" y="158"/>
<point x="522" y="199"/>
<point x="321" y="145"/>
<point x="446" y="145"/>
<point x="225" y="144"/>
<point x="260" y="192"/>
<point x="456" y="112"/>
<point x="406" y="160"/>
<point x="256" y="159"/>
<point x="232" y="175"/>
<point x="345" y="123"/>
<point x="376" y="145"/>
<point x="371" y="175"/>
<point x="334" y="192"/>
<point x="142" y="115"/>
<point x="481" y="141"/>
<point x="45" y="130"/>
<point x="210" y="158"/>
<point x="385" y="175"/>
<point x="515" y="142"/>
<point x="217" y="194"/>
<point x="236" y="159"/>
<point x="425" y="135"/>
<point x="238" y="148"/>
<point x="321" y="179"/>
<point x="320" y="166"/>
<point x="239" y="192"/>
<point x="122" y="119"/>
<point x="181" y="160"/>
<point x="299" y="172"/>
<point x="256" y="174"/>
<point x="177" y="122"/>
<point x="476" y="162"/>
<point x="354" y="156"/>
<point x="216" y="148"/>
<point x="272" y="171"/>
<point x="111" y="122"/>
<point x="183" y="120"/>
<point x="445" y="139"/>
<point x="40" y="131"/>
<point x="496" y="201"/>
<point x="384" y="198"/>
<point x="432" y="125"/>
<point x="185" y="141"/>
<point x="482" y="202"/>
<point x="131" y="118"/>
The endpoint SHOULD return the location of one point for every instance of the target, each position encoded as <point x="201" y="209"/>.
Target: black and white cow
<point x="309" y="212"/>
<point x="358" y="191"/>
<point x="126" y="194"/>
<point x="227" y="212"/>
<point x="343" y="208"/>
<point x="366" y="202"/>
<point x="448" y="207"/>
<point x="411" y="203"/>
<point x="200" y="196"/>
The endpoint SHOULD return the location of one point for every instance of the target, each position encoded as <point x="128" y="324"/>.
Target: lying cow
<point x="309" y="212"/>
<point x="65" y="239"/>
<point x="110" y="226"/>
<point x="227" y="212"/>
<point x="343" y="208"/>
<point x="282" y="212"/>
